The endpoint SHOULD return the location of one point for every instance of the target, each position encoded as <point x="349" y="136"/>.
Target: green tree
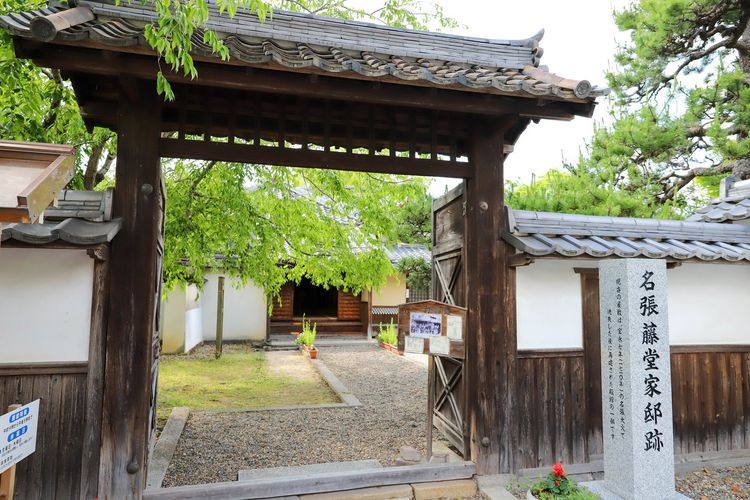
<point x="245" y="218"/>
<point x="414" y="220"/>
<point x="681" y="96"/>
<point x="574" y="190"/>
<point x="272" y="225"/>
<point x="36" y="104"/>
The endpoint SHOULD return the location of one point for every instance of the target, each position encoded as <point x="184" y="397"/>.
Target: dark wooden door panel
<point x="447" y="381"/>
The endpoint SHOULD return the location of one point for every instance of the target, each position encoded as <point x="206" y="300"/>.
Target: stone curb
<point x="165" y="447"/>
<point x="338" y="387"/>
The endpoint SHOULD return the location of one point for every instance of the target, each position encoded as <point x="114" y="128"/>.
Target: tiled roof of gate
<point x="81" y="218"/>
<point x="574" y="235"/>
<point x="732" y="206"/>
<point x="297" y="40"/>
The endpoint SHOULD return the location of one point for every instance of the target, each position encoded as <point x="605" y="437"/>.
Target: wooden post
<point x="8" y="478"/>
<point x="134" y="278"/>
<point x="430" y="403"/>
<point x="490" y="345"/>
<point x="220" y="318"/>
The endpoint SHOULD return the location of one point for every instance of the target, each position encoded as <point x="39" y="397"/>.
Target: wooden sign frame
<point x="448" y="313"/>
<point x="33" y="174"/>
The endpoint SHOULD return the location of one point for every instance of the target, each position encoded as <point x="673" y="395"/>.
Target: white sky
<point x="579" y="42"/>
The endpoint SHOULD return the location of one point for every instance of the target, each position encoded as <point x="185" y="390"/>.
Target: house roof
<point x="295" y="41"/>
<point x="81" y="218"/>
<point x="574" y="235"/>
<point x="732" y="205"/>
<point x="404" y="251"/>
<point x="95" y="206"/>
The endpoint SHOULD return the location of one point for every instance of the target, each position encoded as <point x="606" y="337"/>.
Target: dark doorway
<point x="314" y="300"/>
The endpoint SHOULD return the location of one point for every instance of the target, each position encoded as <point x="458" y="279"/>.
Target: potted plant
<point x="306" y="339"/>
<point x="388" y="337"/>
<point x="557" y="485"/>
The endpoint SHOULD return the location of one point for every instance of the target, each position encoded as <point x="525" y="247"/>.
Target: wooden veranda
<point x="338" y="95"/>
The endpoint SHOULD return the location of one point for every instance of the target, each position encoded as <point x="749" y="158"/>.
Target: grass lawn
<point x="241" y="378"/>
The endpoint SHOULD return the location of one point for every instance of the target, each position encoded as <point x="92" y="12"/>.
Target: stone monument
<point x="636" y="381"/>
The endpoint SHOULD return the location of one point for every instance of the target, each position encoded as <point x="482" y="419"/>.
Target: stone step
<point x="303" y="470"/>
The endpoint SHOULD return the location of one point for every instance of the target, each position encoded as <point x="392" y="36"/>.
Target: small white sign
<point x="425" y="324"/>
<point x="454" y="326"/>
<point x="18" y="434"/>
<point x="414" y="344"/>
<point x="440" y="345"/>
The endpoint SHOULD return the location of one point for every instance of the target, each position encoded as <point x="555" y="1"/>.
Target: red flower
<point x="558" y="470"/>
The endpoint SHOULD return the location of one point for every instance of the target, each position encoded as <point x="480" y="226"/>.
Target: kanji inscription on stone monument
<point x="636" y="382"/>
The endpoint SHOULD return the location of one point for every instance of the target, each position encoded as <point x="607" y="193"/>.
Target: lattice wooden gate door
<point x="447" y="383"/>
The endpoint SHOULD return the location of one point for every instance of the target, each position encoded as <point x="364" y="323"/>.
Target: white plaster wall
<point x="392" y="293"/>
<point x="193" y="318"/>
<point x="245" y="310"/>
<point x="183" y="327"/>
<point x="45" y="305"/>
<point x="709" y="304"/>
<point x="548" y="305"/>
<point x="173" y="328"/>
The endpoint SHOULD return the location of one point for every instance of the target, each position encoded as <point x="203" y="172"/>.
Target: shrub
<point x="557" y="485"/>
<point x="388" y="334"/>
<point x="307" y="337"/>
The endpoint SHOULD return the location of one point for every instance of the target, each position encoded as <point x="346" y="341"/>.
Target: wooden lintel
<point x="277" y="81"/>
<point x="308" y="158"/>
<point x="26" y="369"/>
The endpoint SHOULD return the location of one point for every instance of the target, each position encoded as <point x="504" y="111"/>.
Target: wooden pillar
<point x="491" y="340"/>
<point x="134" y="269"/>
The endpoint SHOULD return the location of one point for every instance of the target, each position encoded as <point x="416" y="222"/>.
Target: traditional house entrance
<point x="329" y="94"/>
<point x="315" y="301"/>
<point x="334" y="311"/>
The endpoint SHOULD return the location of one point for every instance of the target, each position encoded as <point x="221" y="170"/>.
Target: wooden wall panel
<point x="552" y="400"/>
<point x="54" y="471"/>
<point x="711" y="398"/>
<point x="711" y="404"/>
<point x="349" y="307"/>
<point x="283" y="307"/>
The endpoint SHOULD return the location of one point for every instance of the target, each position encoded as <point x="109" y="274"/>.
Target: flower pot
<point x="311" y="351"/>
<point x="391" y="348"/>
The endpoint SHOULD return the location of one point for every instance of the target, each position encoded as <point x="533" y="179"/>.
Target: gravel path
<point x="715" y="484"/>
<point x="393" y="392"/>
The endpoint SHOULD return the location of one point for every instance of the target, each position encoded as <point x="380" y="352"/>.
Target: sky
<point x="579" y="42"/>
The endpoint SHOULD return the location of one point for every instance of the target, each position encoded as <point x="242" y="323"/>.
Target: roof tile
<point x="298" y="41"/>
<point x="574" y="235"/>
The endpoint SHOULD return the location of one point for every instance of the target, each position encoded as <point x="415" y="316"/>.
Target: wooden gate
<point x="447" y="383"/>
<point x="156" y="337"/>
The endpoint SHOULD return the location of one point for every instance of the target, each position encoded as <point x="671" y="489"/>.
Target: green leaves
<point x="38" y="105"/>
<point x="681" y="99"/>
<point x="271" y="225"/>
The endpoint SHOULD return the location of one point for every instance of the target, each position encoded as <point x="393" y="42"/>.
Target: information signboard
<point x="18" y="434"/>
<point x="432" y="327"/>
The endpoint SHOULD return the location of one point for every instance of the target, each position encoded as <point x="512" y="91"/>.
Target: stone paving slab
<point x="461" y="488"/>
<point x="396" y="492"/>
<point x="303" y="470"/>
